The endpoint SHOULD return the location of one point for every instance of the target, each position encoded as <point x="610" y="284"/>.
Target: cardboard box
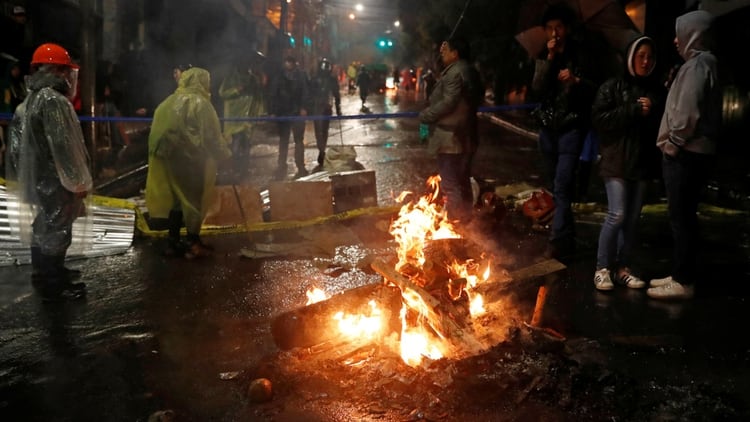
<point x="354" y="189"/>
<point x="234" y="205"/>
<point x="300" y="200"/>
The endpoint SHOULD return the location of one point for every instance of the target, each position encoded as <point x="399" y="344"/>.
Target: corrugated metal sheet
<point x="112" y="232"/>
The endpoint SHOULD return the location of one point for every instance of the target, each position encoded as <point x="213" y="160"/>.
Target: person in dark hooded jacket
<point x="49" y="161"/>
<point x="625" y="113"/>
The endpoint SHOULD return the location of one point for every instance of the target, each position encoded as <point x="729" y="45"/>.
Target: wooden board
<point x="300" y="200"/>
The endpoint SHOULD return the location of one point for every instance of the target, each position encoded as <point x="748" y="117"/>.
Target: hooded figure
<point x="184" y="146"/>
<point x="625" y="114"/>
<point x="242" y="92"/>
<point x="626" y="133"/>
<point x="48" y="159"/>
<point x="687" y="139"/>
<point x="693" y="110"/>
<point x="14" y="88"/>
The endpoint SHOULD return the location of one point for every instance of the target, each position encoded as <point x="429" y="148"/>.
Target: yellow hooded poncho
<point x="183" y="147"/>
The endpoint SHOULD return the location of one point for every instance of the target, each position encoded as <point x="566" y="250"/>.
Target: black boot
<point x="52" y="281"/>
<point x="196" y="248"/>
<point x="174" y="246"/>
<point x="37" y="270"/>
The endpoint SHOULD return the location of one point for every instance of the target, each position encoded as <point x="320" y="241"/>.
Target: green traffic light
<point x="383" y="43"/>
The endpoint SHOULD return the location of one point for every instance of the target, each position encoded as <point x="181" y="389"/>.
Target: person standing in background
<point x="242" y="92"/>
<point x="566" y="91"/>
<point x="323" y="87"/>
<point x="363" y="82"/>
<point x="288" y="97"/>
<point x="450" y="116"/>
<point x="687" y="138"/>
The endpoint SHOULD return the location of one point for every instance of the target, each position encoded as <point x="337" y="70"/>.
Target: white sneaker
<point x="658" y="282"/>
<point x="671" y="290"/>
<point x="602" y="281"/>
<point x="629" y="280"/>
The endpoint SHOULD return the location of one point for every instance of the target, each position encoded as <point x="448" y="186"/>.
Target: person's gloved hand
<point x="424" y="131"/>
<point x="338" y="110"/>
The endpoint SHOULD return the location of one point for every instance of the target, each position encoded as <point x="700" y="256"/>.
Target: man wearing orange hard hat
<point x="49" y="162"/>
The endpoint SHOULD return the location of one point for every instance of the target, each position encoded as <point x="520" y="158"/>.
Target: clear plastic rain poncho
<point x="48" y="166"/>
<point x="183" y="147"/>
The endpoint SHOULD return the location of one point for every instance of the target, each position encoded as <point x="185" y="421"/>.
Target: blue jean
<point x="455" y="184"/>
<point x="619" y="231"/>
<point x="684" y="177"/>
<point x="560" y="153"/>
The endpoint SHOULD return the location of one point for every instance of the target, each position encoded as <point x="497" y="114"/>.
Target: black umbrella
<point x="601" y="17"/>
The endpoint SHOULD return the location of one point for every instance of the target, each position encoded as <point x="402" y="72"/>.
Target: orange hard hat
<point x="52" y="54"/>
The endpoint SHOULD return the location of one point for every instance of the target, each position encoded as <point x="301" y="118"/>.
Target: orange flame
<point x="315" y="295"/>
<point x="418" y="223"/>
<point x="467" y="271"/>
<point x="417" y="340"/>
<point x="359" y="326"/>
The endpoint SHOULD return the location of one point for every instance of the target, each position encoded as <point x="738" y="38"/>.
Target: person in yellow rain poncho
<point x="242" y="92"/>
<point x="184" y="147"/>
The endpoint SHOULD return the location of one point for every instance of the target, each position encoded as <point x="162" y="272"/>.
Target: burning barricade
<point x="431" y="305"/>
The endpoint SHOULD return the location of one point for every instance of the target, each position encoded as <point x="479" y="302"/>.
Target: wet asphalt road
<point x="157" y="333"/>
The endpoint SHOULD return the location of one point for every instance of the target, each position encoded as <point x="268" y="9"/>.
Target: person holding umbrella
<point x="566" y="91"/>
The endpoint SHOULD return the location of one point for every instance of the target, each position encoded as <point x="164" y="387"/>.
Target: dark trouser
<point x="240" y="151"/>
<point x="455" y="184"/>
<point x="53" y="226"/>
<point x="560" y="153"/>
<point x="684" y="177"/>
<point x="297" y="129"/>
<point x="321" y="137"/>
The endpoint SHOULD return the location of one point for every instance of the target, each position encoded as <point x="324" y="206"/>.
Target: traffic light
<point x="384" y="43"/>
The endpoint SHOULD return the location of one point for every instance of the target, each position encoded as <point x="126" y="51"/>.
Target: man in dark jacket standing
<point x="323" y="87"/>
<point x="566" y="95"/>
<point x="451" y="117"/>
<point x="287" y="97"/>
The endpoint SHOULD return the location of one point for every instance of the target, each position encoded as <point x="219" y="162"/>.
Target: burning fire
<point x="423" y="332"/>
<point x="358" y="326"/>
<point x="419" y="223"/>
<point x="315" y="295"/>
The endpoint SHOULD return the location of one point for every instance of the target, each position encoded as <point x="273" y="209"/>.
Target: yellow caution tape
<point x="143" y="228"/>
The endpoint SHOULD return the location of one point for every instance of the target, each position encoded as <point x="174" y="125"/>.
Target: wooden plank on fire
<point x="315" y="324"/>
<point x="442" y="324"/>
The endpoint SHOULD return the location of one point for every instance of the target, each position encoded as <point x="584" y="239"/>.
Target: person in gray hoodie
<point x="687" y="138"/>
